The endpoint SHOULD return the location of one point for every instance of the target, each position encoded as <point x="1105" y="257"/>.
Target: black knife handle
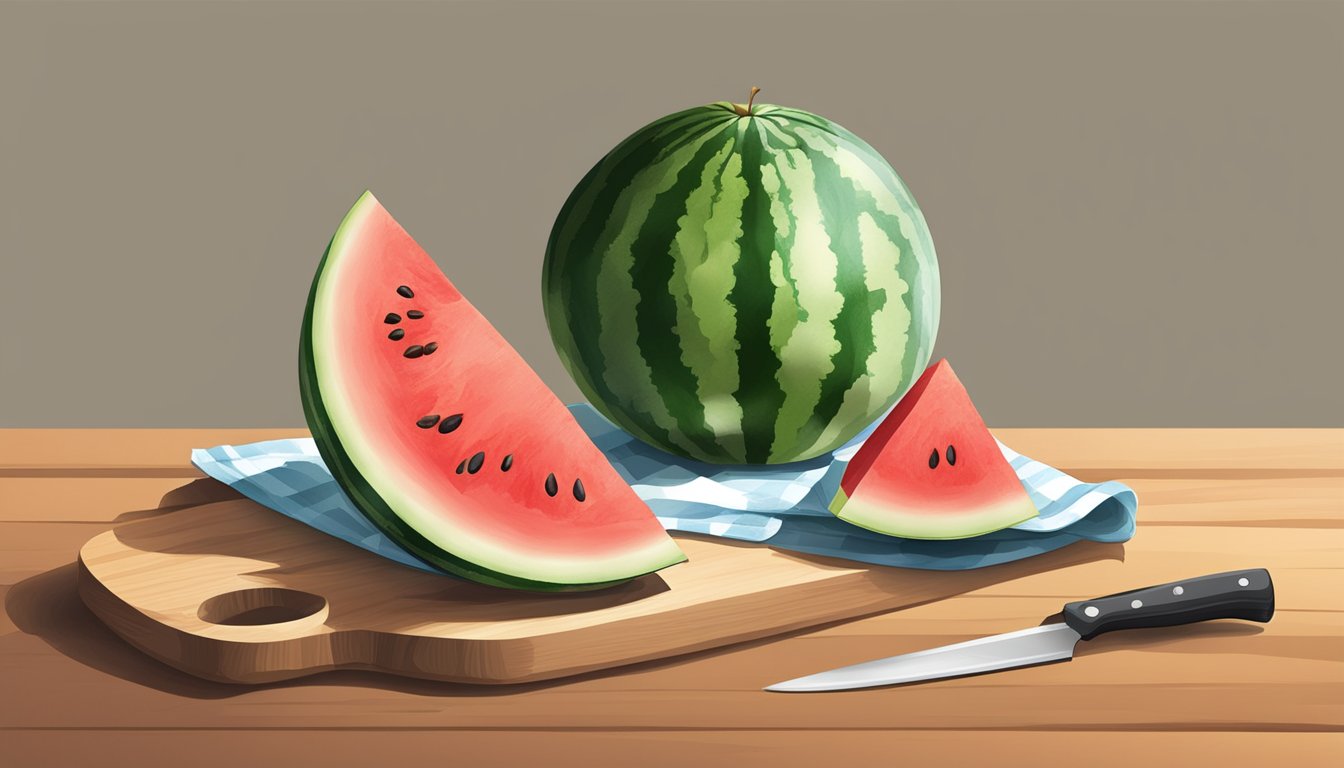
<point x="1233" y="595"/>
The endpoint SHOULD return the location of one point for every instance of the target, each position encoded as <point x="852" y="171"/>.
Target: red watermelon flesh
<point x="444" y="437"/>
<point x="932" y="470"/>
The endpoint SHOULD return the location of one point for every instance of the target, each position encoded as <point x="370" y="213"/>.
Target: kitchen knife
<point x="1233" y="595"/>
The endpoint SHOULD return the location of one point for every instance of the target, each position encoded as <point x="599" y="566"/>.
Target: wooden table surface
<point x="1226" y="693"/>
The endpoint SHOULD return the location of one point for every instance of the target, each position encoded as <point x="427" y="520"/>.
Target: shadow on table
<point x="48" y="606"/>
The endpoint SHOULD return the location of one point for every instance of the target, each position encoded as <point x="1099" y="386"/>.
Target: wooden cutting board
<point x="235" y="592"/>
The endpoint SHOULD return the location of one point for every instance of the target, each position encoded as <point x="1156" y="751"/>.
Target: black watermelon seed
<point x="405" y="290"/>
<point x="933" y="459"/>
<point x="451" y="423"/>
<point x="951" y="456"/>
<point x="507" y="463"/>
<point x="474" y="465"/>
<point x="425" y="422"/>
<point x="396" y="334"/>
<point x="578" y="490"/>
<point x="552" y="487"/>
<point x="430" y="347"/>
<point x="391" y="318"/>
<point x="415" y="350"/>
<point x="461" y="466"/>
<point x="415" y="314"/>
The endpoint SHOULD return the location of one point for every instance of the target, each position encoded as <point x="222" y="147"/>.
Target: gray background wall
<point x="1136" y="205"/>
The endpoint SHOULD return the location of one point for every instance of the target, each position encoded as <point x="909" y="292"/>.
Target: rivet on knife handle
<point x="1233" y="595"/>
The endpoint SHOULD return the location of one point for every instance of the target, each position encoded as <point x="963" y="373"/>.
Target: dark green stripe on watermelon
<point x="853" y="326"/>
<point x="891" y="226"/>
<point x="656" y="313"/>
<point x="753" y="294"/>
<point x="577" y="288"/>
<point x="913" y="268"/>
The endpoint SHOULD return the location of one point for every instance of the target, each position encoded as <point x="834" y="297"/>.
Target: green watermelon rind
<point x="987" y="517"/>
<point x="358" y="488"/>
<point x="925" y="507"/>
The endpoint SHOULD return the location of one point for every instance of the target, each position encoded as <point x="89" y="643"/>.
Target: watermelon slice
<point x="932" y="470"/>
<point x="445" y="438"/>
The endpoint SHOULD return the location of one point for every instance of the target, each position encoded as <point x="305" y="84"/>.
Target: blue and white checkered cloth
<point x="782" y="506"/>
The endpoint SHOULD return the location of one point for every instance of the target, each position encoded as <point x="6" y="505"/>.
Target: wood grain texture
<point x="48" y="452"/>
<point x="1228" y="676"/>
<point x="1184" y="453"/>
<point x="679" y="748"/>
<point x="1224" y="693"/>
<point x="176" y="584"/>
<point x="101" y="499"/>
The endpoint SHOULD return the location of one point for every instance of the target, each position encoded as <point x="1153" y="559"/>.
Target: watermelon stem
<point x="745" y="111"/>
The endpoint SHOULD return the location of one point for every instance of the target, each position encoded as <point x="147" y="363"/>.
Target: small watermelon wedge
<point x="932" y="470"/>
<point x="445" y="438"/>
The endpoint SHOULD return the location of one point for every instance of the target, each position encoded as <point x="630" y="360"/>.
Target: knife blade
<point x="1245" y="595"/>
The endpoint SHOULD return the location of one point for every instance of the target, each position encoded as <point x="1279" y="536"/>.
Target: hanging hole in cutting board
<point x="260" y="606"/>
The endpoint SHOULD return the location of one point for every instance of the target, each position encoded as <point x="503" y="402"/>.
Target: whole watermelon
<point x="739" y="284"/>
